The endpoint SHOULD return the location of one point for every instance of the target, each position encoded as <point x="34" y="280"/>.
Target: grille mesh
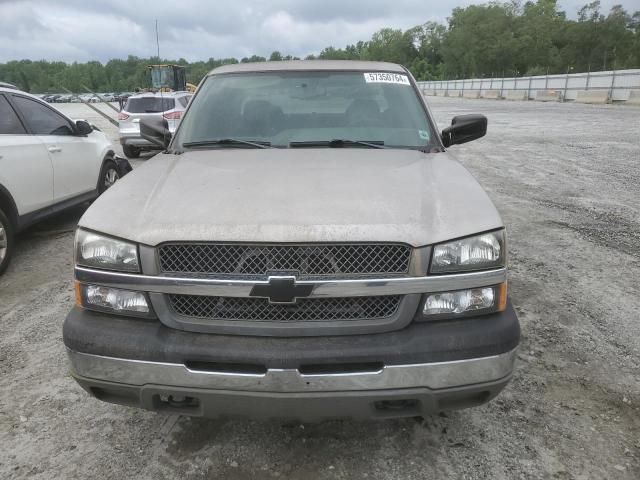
<point x="306" y="261"/>
<point x="308" y="310"/>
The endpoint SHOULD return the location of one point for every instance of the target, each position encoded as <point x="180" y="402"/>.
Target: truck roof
<point x="306" y="65"/>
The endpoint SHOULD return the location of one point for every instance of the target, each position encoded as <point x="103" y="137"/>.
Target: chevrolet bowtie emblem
<point x="281" y="290"/>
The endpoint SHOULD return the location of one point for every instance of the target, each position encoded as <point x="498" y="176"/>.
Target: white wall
<point x="618" y="82"/>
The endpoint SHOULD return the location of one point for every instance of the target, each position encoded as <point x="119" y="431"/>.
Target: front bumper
<point x="304" y="406"/>
<point x="132" y="137"/>
<point x="122" y="164"/>
<point x="136" y="141"/>
<point x="421" y="369"/>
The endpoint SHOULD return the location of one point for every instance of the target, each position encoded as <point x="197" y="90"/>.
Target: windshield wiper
<point x="227" y="141"/>
<point x="338" y="143"/>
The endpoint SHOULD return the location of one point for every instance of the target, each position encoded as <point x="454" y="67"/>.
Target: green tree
<point x="481" y="41"/>
<point x="478" y="40"/>
<point x="390" y="45"/>
<point x="540" y="36"/>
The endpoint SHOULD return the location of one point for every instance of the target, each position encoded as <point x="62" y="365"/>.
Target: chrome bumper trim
<point x="321" y="288"/>
<point x="430" y="375"/>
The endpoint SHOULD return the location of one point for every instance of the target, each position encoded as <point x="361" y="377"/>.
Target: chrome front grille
<point x="306" y="262"/>
<point x="305" y="310"/>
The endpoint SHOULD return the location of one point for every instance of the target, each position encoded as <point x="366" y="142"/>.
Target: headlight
<point x="112" y="300"/>
<point x="99" y="251"/>
<point x="480" y="252"/>
<point x="474" y="301"/>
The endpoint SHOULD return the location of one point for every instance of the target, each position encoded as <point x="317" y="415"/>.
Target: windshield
<point x="161" y="77"/>
<point x="285" y="109"/>
<point x="149" y="105"/>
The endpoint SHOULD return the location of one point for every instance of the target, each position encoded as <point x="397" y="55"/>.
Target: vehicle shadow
<point x="242" y="449"/>
<point x="63" y="222"/>
<point x="52" y="237"/>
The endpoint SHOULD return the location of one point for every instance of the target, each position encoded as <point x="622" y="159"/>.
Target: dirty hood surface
<point x="295" y="195"/>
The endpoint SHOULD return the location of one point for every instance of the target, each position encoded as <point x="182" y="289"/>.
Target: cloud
<point x="75" y="30"/>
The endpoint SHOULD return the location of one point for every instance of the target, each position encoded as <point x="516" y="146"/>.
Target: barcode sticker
<point x="379" y="77"/>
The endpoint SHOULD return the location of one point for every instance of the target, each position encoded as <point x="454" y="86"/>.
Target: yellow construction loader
<point x="168" y="78"/>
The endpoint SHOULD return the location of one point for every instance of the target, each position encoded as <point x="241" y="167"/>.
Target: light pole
<point x="566" y="83"/>
<point x="546" y="80"/>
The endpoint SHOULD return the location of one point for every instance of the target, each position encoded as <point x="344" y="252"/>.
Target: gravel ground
<point x="566" y="180"/>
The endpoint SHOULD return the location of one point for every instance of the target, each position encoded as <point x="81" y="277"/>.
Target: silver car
<point x="170" y="105"/>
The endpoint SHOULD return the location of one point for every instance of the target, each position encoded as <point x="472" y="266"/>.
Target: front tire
<point x="108" y="176"/>
<point x="6" y="241"/>
<point x="130" y="151"/>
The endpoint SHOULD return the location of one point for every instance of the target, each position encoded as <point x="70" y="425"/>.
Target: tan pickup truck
<point x="303" y="247"/>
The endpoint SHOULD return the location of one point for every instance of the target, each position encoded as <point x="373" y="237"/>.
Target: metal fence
<point x="618" y="83"/>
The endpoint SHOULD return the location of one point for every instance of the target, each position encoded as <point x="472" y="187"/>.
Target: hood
<point x="295" y="195"/>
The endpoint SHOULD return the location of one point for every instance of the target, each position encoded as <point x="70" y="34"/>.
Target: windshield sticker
<point x="386" y="78"/>
<point x="424" y="135"/>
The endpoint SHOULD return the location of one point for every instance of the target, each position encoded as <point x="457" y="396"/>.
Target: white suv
<point x="47" y="163"/>
<point x="167" y="105"/>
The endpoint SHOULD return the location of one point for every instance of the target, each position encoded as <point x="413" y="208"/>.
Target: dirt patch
<point x="565" y="180"/>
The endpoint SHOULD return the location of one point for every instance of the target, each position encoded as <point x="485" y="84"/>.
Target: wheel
<point x="108" y="176"/>
<point x="131" y="151"/>
<point x="6" y="241"/>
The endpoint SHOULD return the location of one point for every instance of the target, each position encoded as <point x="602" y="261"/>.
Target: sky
<point x="74" y="30"/>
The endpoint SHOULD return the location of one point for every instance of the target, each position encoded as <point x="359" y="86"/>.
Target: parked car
<point x="122" y="98"/>
<point x="304" y="247"/>
<point x="48" y="162"/>
<point x="169" y="106"/>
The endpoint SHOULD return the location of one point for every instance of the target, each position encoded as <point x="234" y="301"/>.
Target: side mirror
<point x="464" y="128"/>
<point x="156" y="130"/>
<point x="83" y="128"/>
